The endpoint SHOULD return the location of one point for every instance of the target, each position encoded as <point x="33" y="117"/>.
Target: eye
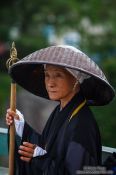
<point x="58" y="75"/>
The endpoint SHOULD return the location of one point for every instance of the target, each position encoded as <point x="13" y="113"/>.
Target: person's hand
<point x="10" y="115"/>
<point x="26" y="151"/>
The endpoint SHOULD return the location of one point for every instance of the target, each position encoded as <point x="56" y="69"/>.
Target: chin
<point x="52" y="97"/>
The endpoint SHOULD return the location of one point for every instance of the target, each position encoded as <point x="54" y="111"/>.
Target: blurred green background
<point x="89" y="25"/>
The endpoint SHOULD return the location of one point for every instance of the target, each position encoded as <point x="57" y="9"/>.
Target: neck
<point x="65" y="101"/>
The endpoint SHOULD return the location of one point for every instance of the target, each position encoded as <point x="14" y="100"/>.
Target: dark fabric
<point x="110" y="163"/>
<point x="70" y="145"/>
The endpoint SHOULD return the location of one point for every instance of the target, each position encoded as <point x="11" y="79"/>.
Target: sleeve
<point x="26" y="132"/>
<point x="40" y="163"/>
<point x="19" y="124"/>
<point x="31" y="136"/>
<point x="39" y="151"/>
<point x="74" y="157"/>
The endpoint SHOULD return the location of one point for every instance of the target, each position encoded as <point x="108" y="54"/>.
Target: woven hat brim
<point x="30" y="76"/>
<point x="29" y="73"/>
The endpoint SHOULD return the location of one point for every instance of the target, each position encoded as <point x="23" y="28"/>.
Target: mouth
<point x="52" y="91"/>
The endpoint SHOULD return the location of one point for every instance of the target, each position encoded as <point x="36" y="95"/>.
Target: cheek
<point x="65" y="87"/>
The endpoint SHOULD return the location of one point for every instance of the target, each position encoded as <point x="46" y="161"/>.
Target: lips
<point x="52" y="91"/>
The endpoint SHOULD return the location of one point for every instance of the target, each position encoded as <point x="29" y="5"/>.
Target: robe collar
<point x="76" y="100"/>
<point x="60" y="116"/>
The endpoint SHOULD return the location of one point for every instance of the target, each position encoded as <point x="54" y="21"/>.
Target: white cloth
<point x="19" y="126"/>
<point x="39" y="151"/>
<point x="80" y="76"/>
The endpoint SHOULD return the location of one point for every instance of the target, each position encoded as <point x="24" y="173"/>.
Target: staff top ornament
<point x="13" y="56"/>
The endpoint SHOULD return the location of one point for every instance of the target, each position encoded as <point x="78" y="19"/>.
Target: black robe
<point x="70" y="145"/>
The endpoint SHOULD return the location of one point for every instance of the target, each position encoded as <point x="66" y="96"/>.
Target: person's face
<point x="59" y="83"/>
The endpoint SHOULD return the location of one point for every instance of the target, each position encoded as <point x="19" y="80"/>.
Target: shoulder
<point x="86" y="131"/>
<point x="84" y="123"/>
<point x="86" y="116"/>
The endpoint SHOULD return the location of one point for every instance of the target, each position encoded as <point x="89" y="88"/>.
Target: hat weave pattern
<point x="96" y="89"/>
<point x="66" y="57"/>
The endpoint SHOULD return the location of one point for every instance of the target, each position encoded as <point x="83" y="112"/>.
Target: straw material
<point x="29" y="73"/>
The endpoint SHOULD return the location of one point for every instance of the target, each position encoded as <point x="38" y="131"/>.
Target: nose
<point x="51" y="82"/>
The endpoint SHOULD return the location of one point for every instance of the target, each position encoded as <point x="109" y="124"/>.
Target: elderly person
<point x="71" y="139"/>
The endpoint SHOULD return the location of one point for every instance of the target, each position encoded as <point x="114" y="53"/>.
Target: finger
<point x="9" y="111"/>
<point x="9" y="121"/>
<point x="13" y="114"/>
<point x="25" y="159"/>
<point x="9" y="117"/>
<point x="25" y="154"/>
<point x="26" y="149"/>
<point x="30" y="145"/>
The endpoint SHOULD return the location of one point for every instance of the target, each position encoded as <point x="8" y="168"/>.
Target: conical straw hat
<point x="29" y="72"/>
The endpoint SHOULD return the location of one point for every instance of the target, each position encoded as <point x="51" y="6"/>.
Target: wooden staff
<point x="13" y="59"/>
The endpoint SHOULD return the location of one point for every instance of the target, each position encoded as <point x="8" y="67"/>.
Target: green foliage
<point x="106" y="115"/>
<point x="30" y="16"/>
<point x="5" y="86"/>
<point x="106" y="118"/>
<point x="109" y="66"/>
<point x="4" y="92"/>
<point x="28" y="44"/>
